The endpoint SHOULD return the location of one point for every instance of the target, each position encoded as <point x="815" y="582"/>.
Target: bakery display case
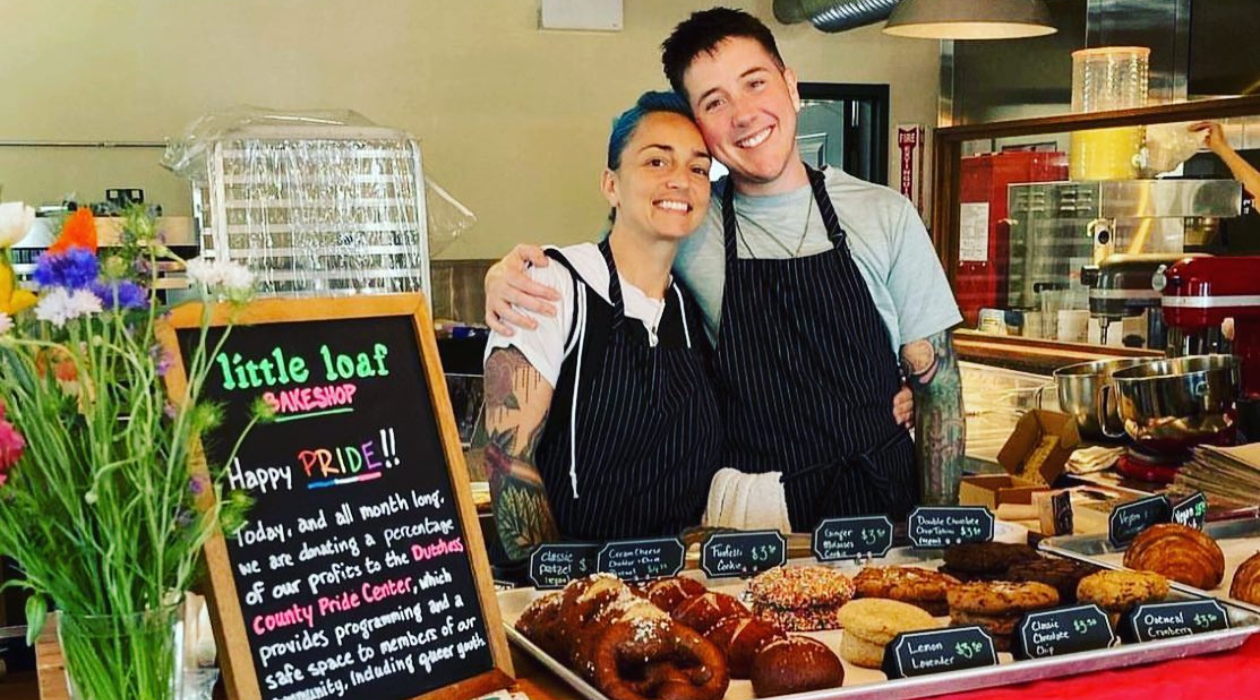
<point x="849" y="629"/>
<point x="1052" y="263"/>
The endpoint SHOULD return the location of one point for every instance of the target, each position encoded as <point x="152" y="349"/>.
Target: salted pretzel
<point x="658" y="659"/>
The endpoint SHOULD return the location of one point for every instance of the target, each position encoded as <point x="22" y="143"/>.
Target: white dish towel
<point x="747" y="501"/>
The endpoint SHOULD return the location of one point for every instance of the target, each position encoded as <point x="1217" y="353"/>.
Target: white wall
<point x="513" y="119"/>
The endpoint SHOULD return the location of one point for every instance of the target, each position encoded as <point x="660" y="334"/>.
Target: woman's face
<point x="662" y="184"/>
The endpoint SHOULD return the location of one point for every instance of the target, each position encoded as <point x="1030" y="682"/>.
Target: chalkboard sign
<point x="852" y="538"/>
<point x="1165" y="620"/>
<point x="1062" y="631"/>
<point x="951" y="649"/>
<point x="1129" y="519"/>
<point x="554" y="565"/>
<point x="1191" y="511"/>
<point x="640" y="560"/>
<point x="742" y="553"/>
<point x="937" y="527"/>
<point x="361" y="571"/>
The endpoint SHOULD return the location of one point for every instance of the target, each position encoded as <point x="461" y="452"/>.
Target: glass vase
<point x="123" y="657"/>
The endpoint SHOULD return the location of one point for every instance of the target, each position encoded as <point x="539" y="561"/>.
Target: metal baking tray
<point x="868" y="684"/>
<point x="1238" y="540"/>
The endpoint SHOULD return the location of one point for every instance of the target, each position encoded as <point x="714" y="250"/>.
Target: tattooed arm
<point x="940" y="424"/>
<point x="517" y="402"/>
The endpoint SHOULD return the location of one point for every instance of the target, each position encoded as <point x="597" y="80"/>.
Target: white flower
<point x="236" y="277"/>
<point x="6" y="323"/>
<point x="59" y="306"/>
<point x="204" y="272"/>
<point x="221" y="275"/>
<point x="16" y="220"/>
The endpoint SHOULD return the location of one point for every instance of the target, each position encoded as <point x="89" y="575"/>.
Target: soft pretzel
<point x="1180" y="553"/>
<point x="658" y="659"/>
<point x="667" y="593"/>
<point x="702" y="612"/>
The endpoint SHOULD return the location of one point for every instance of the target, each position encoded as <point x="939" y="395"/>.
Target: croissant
<point x="1180" y="553"/>
<point x="1246" y="585"/>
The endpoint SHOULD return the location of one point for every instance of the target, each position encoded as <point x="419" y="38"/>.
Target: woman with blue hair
<point x="602" y="422"/>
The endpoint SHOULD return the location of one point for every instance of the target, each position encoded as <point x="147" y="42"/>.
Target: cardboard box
<point x="992" y="490"/>
<point x="1022" y="480"/>
<point x="1032" y="433"/>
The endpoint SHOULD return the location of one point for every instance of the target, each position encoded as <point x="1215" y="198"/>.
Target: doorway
<point x="845" y="125"/>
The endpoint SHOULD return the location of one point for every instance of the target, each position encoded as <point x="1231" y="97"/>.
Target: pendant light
<point x="970" y="19"/>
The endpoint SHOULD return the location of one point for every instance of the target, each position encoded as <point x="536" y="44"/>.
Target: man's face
<point x="746" y="108"/>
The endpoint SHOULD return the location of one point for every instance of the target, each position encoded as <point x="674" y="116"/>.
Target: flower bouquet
<point x="104" y="500"/>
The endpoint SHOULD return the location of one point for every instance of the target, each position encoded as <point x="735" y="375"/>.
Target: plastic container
<point x="1106" y="79"/>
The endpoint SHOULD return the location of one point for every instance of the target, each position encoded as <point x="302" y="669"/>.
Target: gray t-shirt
<point x="889" y="243"/>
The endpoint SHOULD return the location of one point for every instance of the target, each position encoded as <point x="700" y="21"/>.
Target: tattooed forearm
<point x="940" y="424"/>
<point x="517" y="402"/>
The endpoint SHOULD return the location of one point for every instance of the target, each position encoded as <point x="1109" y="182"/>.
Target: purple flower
<point x="123" y="295"/>
<point x="73" y="269"/>
<point x="164" y="359"/>
<point x="169" y="410"/>
<point x="197" y="484"/>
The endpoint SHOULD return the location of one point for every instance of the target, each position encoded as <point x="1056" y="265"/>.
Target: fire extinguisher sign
<point x="911" y="140"/>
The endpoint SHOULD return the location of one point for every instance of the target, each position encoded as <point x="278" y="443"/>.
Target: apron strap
<point x="818" y="182"/>
<point x="614" y="286"/>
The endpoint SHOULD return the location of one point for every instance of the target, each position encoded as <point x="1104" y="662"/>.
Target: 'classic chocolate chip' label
<point x="1062" y="631"/>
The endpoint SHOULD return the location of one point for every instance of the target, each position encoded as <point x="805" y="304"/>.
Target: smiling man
<point x="811" y="282"/>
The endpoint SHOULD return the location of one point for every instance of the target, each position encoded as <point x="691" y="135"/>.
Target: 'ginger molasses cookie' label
<point x="852" y="538"/>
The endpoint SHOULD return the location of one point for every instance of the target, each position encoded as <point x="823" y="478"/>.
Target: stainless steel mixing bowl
<point x="1175" y="404"/>
<point x="1081" y="395"/>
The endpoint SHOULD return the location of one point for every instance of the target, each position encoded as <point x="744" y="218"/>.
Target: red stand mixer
<point x="1200" y="293"/>
<point x="1194" y="398"/>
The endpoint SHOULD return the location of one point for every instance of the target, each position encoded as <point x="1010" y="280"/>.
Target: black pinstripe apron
<point x="806" y="375"/>
<point x="633" y="436"/>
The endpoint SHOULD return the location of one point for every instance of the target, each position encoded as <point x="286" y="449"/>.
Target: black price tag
<point x="1127" y="520"/>
<point x="852" y="538"/>
<point x="936" y="651"/>
<point x="1062" y="631"/>
<point x="937" y="527"/>
<point x="1061" y="507"/>
<point x="640" y="560"/>
<point x="1164" y="620"/>
<point x="742" y="553"/>
<point x="1191" y="511"/>
<point x="554" y="565"/>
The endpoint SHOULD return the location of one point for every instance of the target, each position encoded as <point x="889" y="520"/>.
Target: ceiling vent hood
<point x="834" y="15"/>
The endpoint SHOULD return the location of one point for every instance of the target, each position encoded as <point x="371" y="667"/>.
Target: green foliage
<point x="109" y="505"/>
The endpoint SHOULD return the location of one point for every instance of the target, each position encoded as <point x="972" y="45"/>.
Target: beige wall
<point x="513" y="119"/>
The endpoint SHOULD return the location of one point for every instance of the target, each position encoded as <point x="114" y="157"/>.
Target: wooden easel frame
<point x="229" y="622"/>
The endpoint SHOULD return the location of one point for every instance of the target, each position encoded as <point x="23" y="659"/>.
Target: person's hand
<point x="903" y="407"/>
<point x="1215" y="138"/>
<point x="510" y="289"/>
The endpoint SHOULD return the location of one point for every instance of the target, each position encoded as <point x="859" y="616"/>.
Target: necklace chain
<point x="800" y="244"/>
